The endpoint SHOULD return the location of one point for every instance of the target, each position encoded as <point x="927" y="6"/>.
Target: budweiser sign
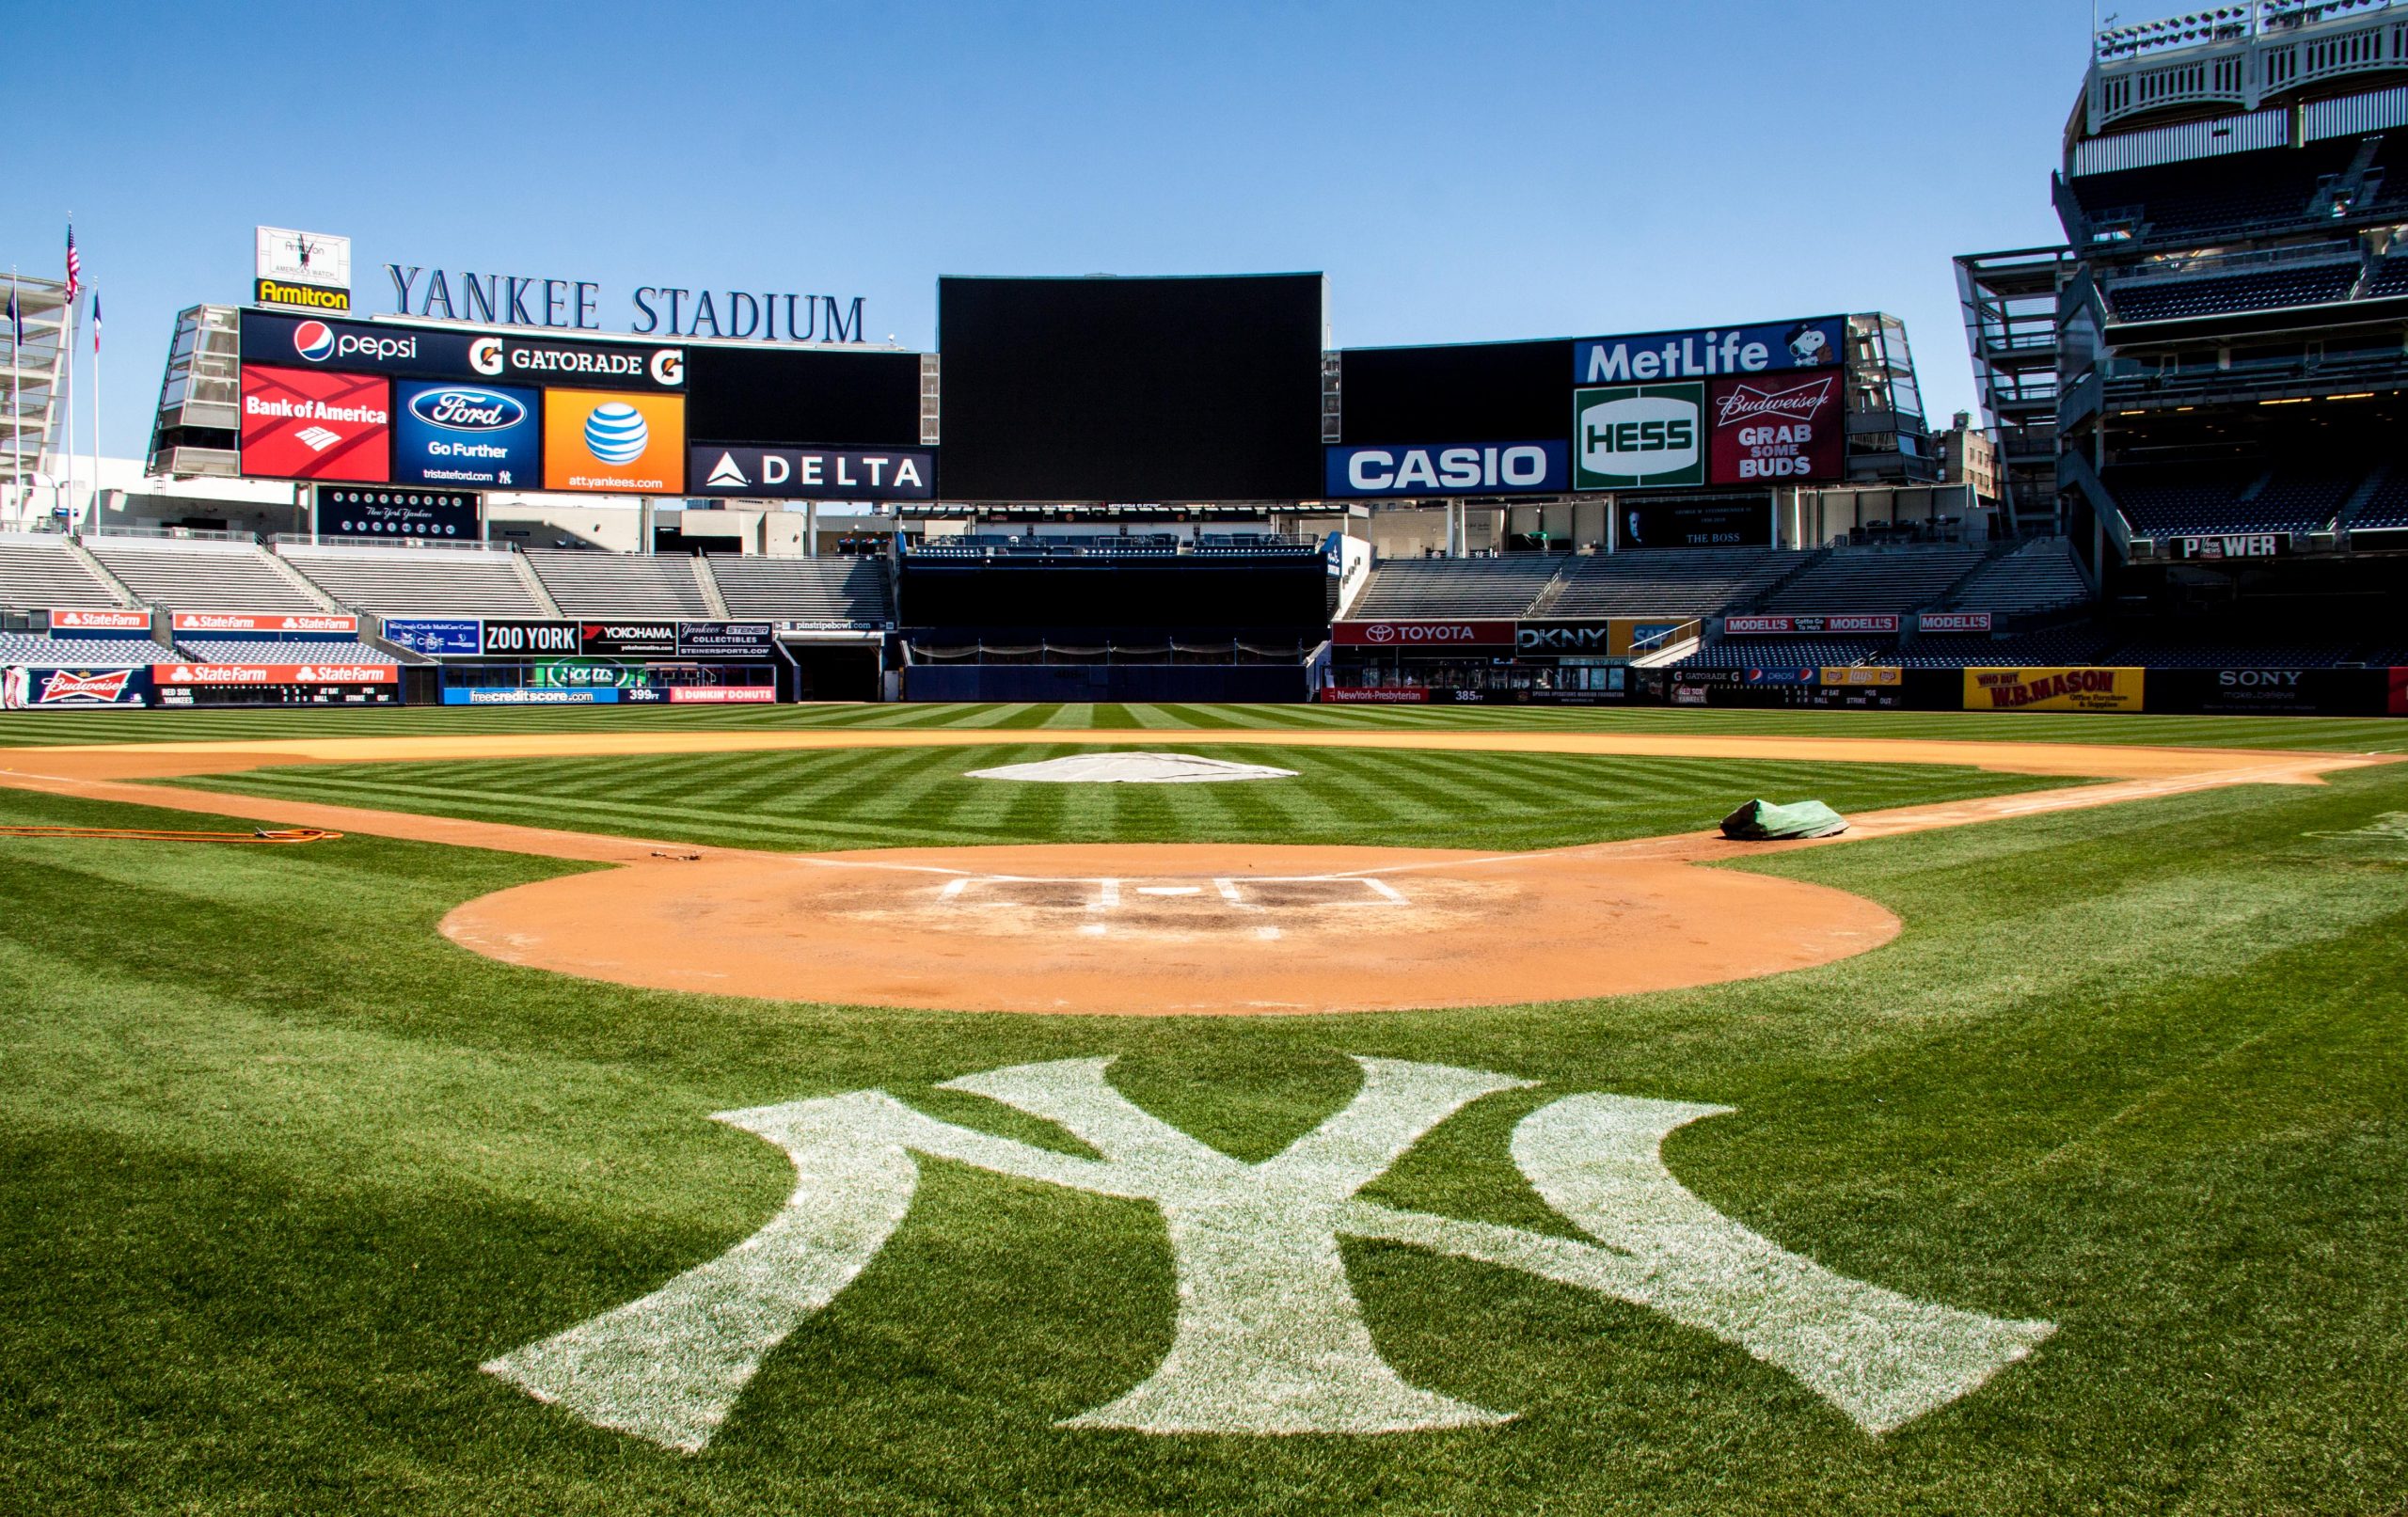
<point x="1751" y="402"/>
<point x="67" y="686"/>
<point x="1423" y="634"/>
<point x="1770" y="431"/>
<point x="108" y="620"/>
<point x="264" y="621"/>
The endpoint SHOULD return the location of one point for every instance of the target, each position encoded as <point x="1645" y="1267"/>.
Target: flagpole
<point x="92" y="506"/>
<point x="67" y="383"/>
<point x="16" y="399"/>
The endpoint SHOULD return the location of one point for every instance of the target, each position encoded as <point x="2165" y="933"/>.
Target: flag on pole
<point x="74" y="264"/>
<point x="96" y="321"/>
<point x="16" y="318"/>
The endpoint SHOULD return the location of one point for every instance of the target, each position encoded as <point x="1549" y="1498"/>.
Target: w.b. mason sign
<point x="1269" y="1339"/>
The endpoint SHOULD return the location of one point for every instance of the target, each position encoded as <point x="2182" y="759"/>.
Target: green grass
<point x="283" y="1166"/>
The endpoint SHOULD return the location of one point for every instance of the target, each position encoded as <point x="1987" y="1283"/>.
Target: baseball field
<point x="717" y="1112"/>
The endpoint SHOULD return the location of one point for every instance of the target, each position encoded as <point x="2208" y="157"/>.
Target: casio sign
<point x="1441" y="468"/>
<point x="463" y="409"/>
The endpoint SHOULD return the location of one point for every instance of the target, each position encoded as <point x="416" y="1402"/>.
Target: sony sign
<point x="672" y="310"/>
<point x="1772" y="347"/>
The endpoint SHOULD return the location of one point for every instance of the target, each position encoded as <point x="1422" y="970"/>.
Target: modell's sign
<point x="275" y="673"/>
<point x="1740" y="627"/>
<point x="1423" y="635"/>
<point x="113" y="621"/>
<point x="281" y="622"/>
<point x="1954" y="622"/>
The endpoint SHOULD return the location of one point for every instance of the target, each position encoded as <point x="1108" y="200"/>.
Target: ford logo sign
<point x="459" y="408"/>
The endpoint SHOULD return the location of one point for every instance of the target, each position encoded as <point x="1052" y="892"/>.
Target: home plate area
<point x="1180" y="929"/>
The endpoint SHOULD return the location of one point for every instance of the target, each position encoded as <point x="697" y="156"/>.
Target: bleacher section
<point x="2162" y="300"/>
<point x="2038" y="577"/>
<point x="618" y="584"/>
<point x="2063" y="645"/>
<point x="1668" y="581"/>
<point x="404" y="581"/>
<point x="2153" y="653"/>
<point x="1410" y="588"/>
<point x="1878" y="579"/>
<point x="2387" y="506"/>
<point x="2195" y="200"/>
<point x="2239" y="497"/>
<point x="199" y="576"/>
<point x="36" y="573"/>
<point x="804" y="590"/>
<point x="79" y="652"/>
<point x="268" y="651"/>
<point x="1789" y="652"/>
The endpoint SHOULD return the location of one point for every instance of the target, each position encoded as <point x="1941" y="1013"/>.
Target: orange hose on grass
<point x="263" y="835"/>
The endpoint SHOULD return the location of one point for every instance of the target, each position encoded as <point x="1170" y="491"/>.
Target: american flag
<point x="96" y="321"/>
<point x="74" y="263"/>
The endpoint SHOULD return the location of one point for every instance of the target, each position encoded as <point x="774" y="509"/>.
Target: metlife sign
<point x="1423" y="469"/>
<point x="810" y="473"/>
<point x="1706" y="353"/>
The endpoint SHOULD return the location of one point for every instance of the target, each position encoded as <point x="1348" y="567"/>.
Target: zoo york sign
<point x="1268" y="1337"/>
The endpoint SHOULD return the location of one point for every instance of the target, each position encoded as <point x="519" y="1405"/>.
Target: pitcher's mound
<point x="1133" y="769"/>
<point x="1178" y="929"/>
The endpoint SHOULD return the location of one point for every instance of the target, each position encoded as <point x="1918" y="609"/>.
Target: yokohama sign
<point x="1422" y="634"/>
<point x="264" y="621"/>
<point x="1740" y="627"/>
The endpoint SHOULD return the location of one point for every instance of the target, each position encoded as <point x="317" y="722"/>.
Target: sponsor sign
<point x="300" y="297"/>
<point x="1694" y="524"/>
<point x="1611" y="636"/>
<point x="314" y="258"/>
<point x="115" y="620"/>
<point x="384" y="510"/>
<point x="1403" y="469"/>
<point x="1637" y="434"/>
<point x="722" y="694"/>
<point x="1782" y="676"/>
<point x="1766" y="430"/>
<point x="1385" y="695"/>
<point x="595" y="365"/>
<point x="1423" y="635"/>
<point x="2398" y="704"/>
<point x="725" y="639"/>
<point x="200" y="673"/>
<point x="614" y="442"/>
<point x="506" y="637"/>
<point x="2054" y="689"/>
<point x="2233" y="546"/>
<point x="467" y="434"/>
<point x="715" y="468"/>
<point x="1756" y="626"/>
<point x="1858" y="674"/>
<point x="302" y="425"/>
<point x="805" y="626"/>
<point x="436" y="635"/>
<point x="354" y="347"/>
<point x="1768" y="348"/>
<point x="1956" y="621"/>
<point x="282" y="623"/>
<point x="21" y="687"/>
<point x="504" y="696"/>
<point x="610" y="639"/>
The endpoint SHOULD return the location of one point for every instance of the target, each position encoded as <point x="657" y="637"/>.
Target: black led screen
<point x="1463" y="392"/>
<point x="802" y="398"/>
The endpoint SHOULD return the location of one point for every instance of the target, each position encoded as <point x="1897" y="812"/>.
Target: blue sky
<point x="1461" y="171"/>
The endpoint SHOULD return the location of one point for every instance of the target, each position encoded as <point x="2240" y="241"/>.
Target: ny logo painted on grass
<point x="1268" y="1337"/>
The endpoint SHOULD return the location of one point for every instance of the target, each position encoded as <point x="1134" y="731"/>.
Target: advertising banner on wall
<point x="613" y="640"/>
<point x="437" y="635"/>
<point x="726" y="639"/>
<point x="2399" y="701"/>
<point x="354" y="347"/>
<point x="1540" y="466"/>
<point x="507" y="695"/>
<point x="1862" y="674"/>
<point x="335" y="673"/>
<point x="1956" y="621"/>
<point x="389" y="510"/>
<point x="23" y="689"/>
<point x="1631" y="436"/>
<point x="1811" y="625"/>
<point x="1793" y="428"/>
<point x="114" y="620"/>
<point x="301" y="424"/>
<point x="811" y="473"/>
<point x="722" y="694"/>
<point x="1424" y="636"/>
<point x="2054" y="689"/>
<point x="515" y="358"/>
<point x="506" y="637"/>
<point x="1768" y="348"/>
<point x="309" y="270"/>
<point x="281" y="624"/>
<point x="1694" y="524"/>
<point x="479" y="436"/>
<point x="617" y="442"/>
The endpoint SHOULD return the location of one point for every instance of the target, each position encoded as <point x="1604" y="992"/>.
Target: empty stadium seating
<point x="2174" y="653"/>
<point x="2061" y="645"/>
<point x="1409" y="588"/>
<point x="2170" y="299"/>
<point x="2237" y="497"/>
<point x="1789" y="652"/>
<point x="1667" y="582"/>
<point x="619" y="584"/>
<point x="38" y="571"/>
<point x="804" y="590"/>
<point x="2387" y="506"/>
<point x="2187" y="201"/>
<point x="79" y="652"/>
<point x="388" y="581"/>
<point x="199" y="576"/>
<point x="269" y="651"/>
<point x="2390" y="277"/>
<point x="1878" y="579"/>
<point x="2039" y="576"/>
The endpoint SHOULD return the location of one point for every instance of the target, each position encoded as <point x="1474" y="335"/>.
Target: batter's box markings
<point x="1113" y="892"/>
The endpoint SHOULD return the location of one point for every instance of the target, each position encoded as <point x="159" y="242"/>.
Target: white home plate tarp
<point x="1132" y="768"/>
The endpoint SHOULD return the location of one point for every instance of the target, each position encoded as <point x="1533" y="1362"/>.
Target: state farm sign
<point x="1422" y="634"/>
<point x="264" y="621"/>
<point x="275" y="673"/>
<point x="114" y="621"/>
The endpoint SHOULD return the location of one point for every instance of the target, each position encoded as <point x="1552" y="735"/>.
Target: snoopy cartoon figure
<point x="1808" y="346"/>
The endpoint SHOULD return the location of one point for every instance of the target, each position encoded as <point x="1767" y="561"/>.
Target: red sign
<point x="1422" y="634"/>
<point x="722" y="694"/>
<point x="264" y="622"/>
<point x="113" y="621"/>
<point x="2400" y="692"/>
<point x="1952" y="622"/>
<point x="1768" y="427"/>
<point x="275" y="673"/>
<point x="71" y="686"/>
<point x="1358" y="695"/>
<point x="309" y="424"/>
<point x="1740" y="627"/>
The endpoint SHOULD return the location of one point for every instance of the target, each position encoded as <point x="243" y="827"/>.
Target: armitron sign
<point x="1423" y="635"/>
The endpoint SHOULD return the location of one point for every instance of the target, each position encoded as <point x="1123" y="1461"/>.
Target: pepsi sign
<point x="353" y="347"/>
<point x="469" y="436"/>
<point x="1394" y="470"/>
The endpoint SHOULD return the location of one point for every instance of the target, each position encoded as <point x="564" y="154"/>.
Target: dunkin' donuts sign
<point x="1423" y="635"/>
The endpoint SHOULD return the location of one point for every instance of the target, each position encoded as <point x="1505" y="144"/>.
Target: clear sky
<point x="1461" y="171"/>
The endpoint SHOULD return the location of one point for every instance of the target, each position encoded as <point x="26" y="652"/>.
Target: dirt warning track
<point x="1157" y="929"/>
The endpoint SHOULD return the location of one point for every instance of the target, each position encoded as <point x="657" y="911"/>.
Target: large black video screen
<point x="1187" y="594"/>
<point x="1463" y="392"/>
<point x="802" y="398"/>
<point x="1109" y="389"/>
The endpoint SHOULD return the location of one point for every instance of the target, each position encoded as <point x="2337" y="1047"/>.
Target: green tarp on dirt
<point x="1760" y="821"/>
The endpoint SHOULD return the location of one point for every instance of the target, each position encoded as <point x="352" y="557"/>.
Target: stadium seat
<point x="1667" y="582"/>
<point x="619" y="584"/>
<point x="2036" y="577"/>
<point x="199" y="575"/>
<point x="79" y="652"/>
<point x="2167" y="299"/>
<point x="1411" y="588"/>
<point x="39" y="571"/>
<point x="1878" y="579"/>
<point x="396" y="581"/>
<point x="804" y="590"/>
<point x="270" y="651"/>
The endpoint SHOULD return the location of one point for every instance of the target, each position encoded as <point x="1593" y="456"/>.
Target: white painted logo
<point x="725" y="475"/>
<point x="1268" y="1337"/>
<point x="317" y="439"/>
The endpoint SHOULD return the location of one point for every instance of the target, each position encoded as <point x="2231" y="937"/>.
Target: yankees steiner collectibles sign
<point x="1268" y="1337"/>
